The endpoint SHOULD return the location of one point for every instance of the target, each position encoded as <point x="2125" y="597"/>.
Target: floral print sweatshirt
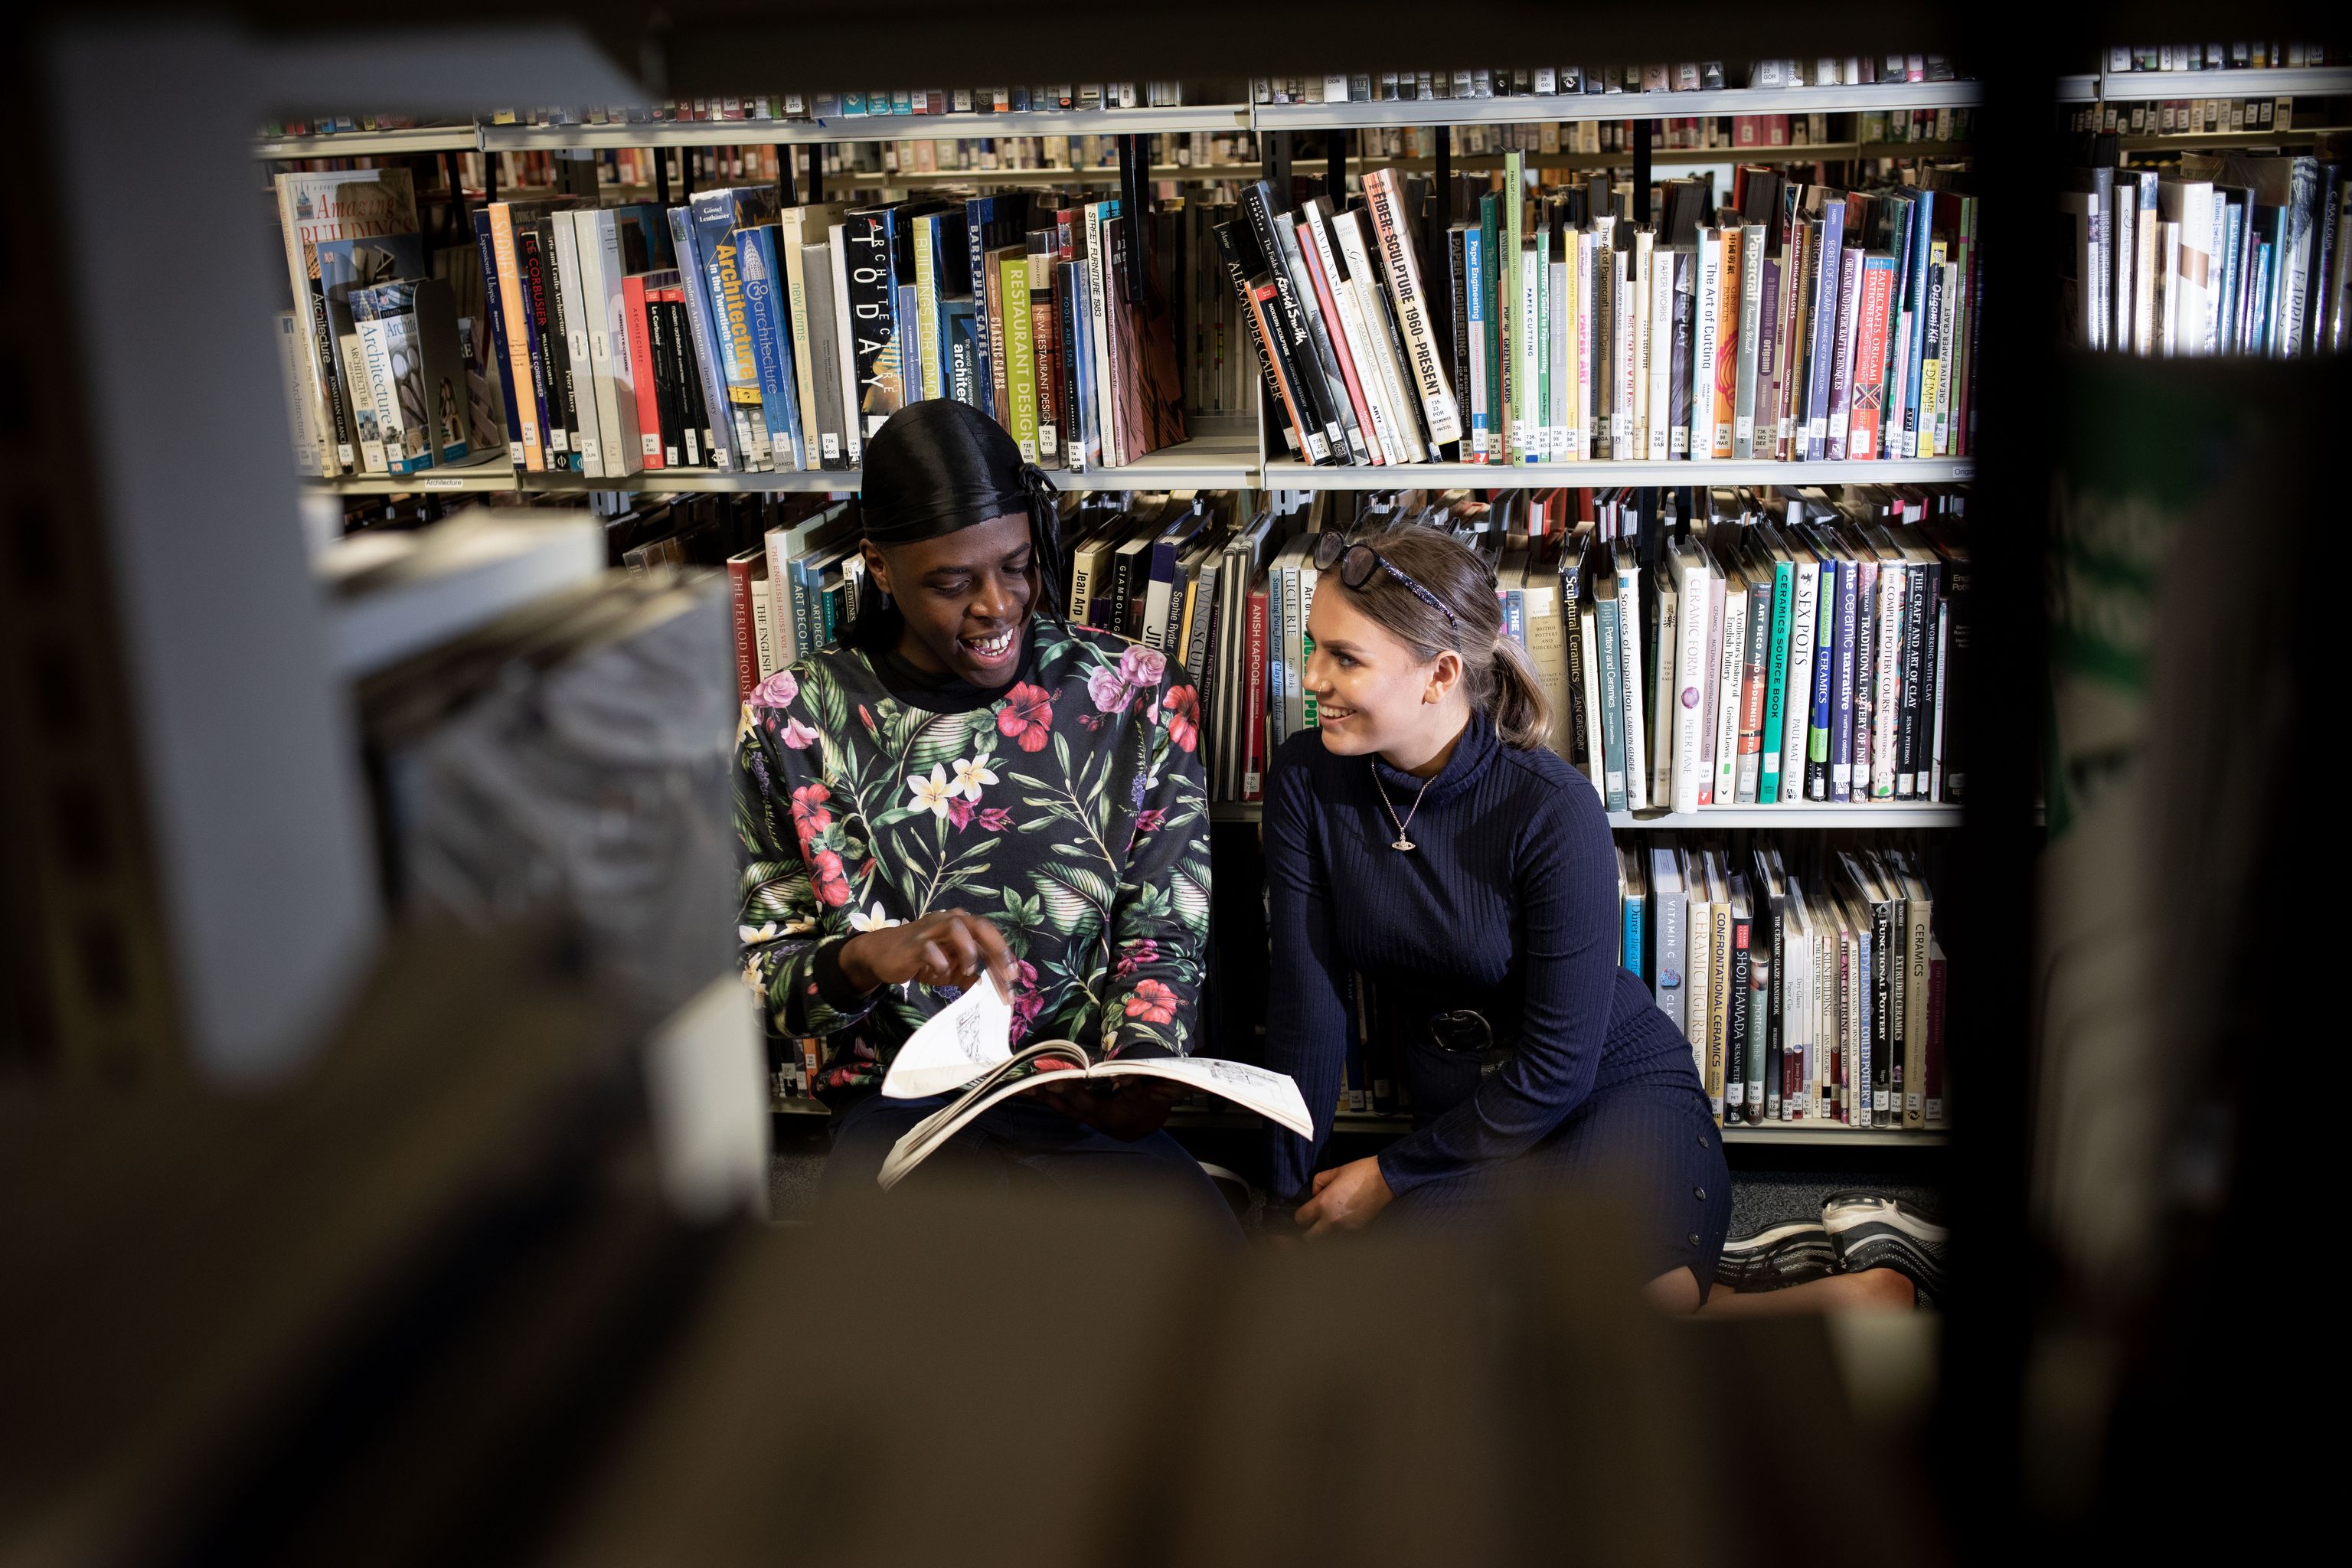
<point x="1071" y="811"/>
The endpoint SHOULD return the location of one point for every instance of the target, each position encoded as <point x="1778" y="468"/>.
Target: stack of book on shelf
<point x="1795" y="323"/>
<point x="1781" y="647"/>
<point x="1807" y="975"/>
<point x="2236" y="254"/>
<point x="1595" y="80"/>
<point x="736" y="336"/>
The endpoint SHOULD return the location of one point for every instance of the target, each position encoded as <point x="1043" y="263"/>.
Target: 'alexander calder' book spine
<point x="1237" y="247"/>
<point x="1303" y="367"/>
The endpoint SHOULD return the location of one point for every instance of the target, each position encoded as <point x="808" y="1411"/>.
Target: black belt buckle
<point x="1465" y="1032"/>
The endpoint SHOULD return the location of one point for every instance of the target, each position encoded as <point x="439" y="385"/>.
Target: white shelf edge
<point x="474" y="479"/>
<point x="1533" y="111"/>
<point x="2151" y="87"/>
<point x="1289" y="474"/>
<point x="378" y="144"/>
<point x="869" y="128"/>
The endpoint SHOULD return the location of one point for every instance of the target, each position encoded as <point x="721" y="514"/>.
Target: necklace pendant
<point x="1401" y="843"/>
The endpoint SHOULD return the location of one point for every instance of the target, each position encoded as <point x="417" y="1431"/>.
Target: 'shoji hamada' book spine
<point x="1776" y="680"/>
<point x="1723" y="372"/>
<point x="1440" y="414"/>
<point x="1736" y="998"/>
<point x="1763" y="1044"/>
<point x="498" y="343"/>
<point x="1829" y="279"/>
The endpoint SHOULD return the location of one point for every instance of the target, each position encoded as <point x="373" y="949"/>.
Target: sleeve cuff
<point x="832" y="987"/>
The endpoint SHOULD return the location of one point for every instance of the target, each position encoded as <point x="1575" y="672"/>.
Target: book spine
<point x="1267" y="342"/>
<point x="1254" y="720"/>
<point x="980" y="212"/>
<point x="1669" y="371"/>
<point x="1841" y="684"/>
<point x="643" y="389"/>
<point x="746" y="629"/>
<point x="1932" y="1086"/>
<point x="1887" y="710"/>
<point x="1804" y="615"/>
<point x="497" y="349"/>
<point x="1718" y="1019"/>
<point x="579" y="347"/>
<point x="1613" y="703"/>
<point x="1723" y="374"/>
<point x="1742" y="1071"/>
<point x="1917" y="655"/>
<point x="1629" y="664"/>
<point x="698" y="350"/>
<point x="1830" y="276"/>
<point x="931" y="353"/>
<point x="1849" y="301"/>
<point x="1471" y="317"/>
<point x="1344" y="336"/>
<point x="1776" y="683"/>
<point x="1758" y="275"/>
<point x="522" y="361"/>
<point x="1439" y="413"/>
<point x="1885" y="1091"/>
<point x="1731" y="668"/>
<point x="1045" y="360"/>
<point x="1865" y="668"/>
<point x="872" y="325"/>
<point x="1752" y="675"/>
<point x="1770" y="977"/>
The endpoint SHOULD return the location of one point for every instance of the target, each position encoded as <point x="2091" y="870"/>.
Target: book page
<point x="1272" y="1095"/>
<point x="956" y="1044"/>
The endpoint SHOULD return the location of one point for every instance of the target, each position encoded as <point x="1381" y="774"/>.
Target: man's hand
<point x="950" y="947"/>
<point x="1132" y="1110"/>
<point x="1346" y="1197"/>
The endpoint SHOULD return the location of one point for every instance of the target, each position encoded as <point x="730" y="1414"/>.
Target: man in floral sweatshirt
<point x="969" y="784"/>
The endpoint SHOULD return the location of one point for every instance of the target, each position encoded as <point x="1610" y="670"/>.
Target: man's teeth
<point x="990" y="647"/>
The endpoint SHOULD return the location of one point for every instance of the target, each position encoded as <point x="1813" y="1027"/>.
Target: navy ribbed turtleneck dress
<point x="1507" y="906"/>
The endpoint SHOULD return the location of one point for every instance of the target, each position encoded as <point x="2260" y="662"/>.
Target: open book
<point x="968" y="1046"/>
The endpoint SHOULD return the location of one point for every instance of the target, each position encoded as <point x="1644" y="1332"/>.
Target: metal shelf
<point x="1212" y="460"/>
<point x="379" y="143"/>
<point x="1290" y="474"/>
<point x="489" y="475"/>
<point x="1792" y="1134"/>
<point x="2143" y="87"/>
<point x="868" y="128"/>
<point x="1531" y="110"/>
<point x="2209" y="141"/>
<point x="694" y="481"/>
<point x="1805" y="817"/>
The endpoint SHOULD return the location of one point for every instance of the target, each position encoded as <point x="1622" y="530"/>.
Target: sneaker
<point x="1784" y="1255"/>
<point x="1872" y="1231"/>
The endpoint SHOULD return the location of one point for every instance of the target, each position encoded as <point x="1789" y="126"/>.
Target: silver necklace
<point x="1402" y="841"/>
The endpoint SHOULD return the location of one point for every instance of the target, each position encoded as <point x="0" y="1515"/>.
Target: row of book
<point x="2225" y="255"/>
<point x="1799" y="321"/>
<point x="2186" y="116"/>
<point x="1807" y="975"/>
<point x="1547" y="81"/>
<point x="2255" y="54"/>
<point x="860" y="104"/>
<point x="737" y="335"/>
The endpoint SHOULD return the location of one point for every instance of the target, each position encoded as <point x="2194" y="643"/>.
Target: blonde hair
<point x="1497" y="676"/>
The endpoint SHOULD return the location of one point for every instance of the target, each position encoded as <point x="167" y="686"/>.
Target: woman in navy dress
<point x="1425" y="838"/>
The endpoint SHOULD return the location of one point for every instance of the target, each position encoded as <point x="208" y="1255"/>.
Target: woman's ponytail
<point x="1516" y="700"/>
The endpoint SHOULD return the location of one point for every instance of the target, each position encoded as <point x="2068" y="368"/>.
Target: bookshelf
<point x="1290" y="474"/>
<point x="417" y="140"/>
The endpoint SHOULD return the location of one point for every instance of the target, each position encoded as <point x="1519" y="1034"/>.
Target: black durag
<point x="939" y="467"/>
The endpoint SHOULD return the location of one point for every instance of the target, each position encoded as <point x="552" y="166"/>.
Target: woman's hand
<point x="1133" y="1110"/>
<point x="947" y="948"/>
<point x="1346" y="1197"/>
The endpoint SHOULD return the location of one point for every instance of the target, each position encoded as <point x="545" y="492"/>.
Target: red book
<point x="641" y="372"/>
<point x="747" y="636"/>
<point x="1253" y="682"/>
<point x="1865" y="426"/>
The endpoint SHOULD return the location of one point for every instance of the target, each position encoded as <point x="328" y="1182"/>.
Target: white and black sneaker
<point x="1773" y="1259"/>
<point x="1872" y="1231"/>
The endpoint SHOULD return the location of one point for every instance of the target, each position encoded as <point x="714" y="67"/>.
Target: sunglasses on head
<point x="1357" y="562"/>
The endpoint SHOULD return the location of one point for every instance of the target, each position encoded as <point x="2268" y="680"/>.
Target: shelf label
<point x="444" y="482"/>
